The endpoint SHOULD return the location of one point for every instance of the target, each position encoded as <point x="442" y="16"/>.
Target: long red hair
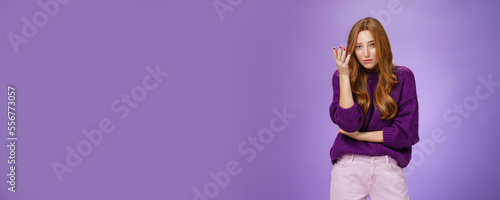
<point x="359" y="75"/>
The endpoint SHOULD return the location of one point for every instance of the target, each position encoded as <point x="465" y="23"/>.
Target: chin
<point x="369" y="67"/>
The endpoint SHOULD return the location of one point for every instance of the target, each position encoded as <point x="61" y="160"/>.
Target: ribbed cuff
<point x="350" y="119"/>
<point x="389" y="134"/>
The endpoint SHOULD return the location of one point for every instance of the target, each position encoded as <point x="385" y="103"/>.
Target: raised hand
<point x="342" y="61"/>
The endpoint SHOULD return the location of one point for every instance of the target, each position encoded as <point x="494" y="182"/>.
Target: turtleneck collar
<point x="372" y="75"/>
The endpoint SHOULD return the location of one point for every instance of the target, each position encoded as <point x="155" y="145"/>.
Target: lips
<point x="367" y="61"/>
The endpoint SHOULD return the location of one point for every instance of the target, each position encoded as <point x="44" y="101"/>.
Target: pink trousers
<point x="356" y="177"/>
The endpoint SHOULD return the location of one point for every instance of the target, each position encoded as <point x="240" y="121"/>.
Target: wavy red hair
<point x="359" y="75"/>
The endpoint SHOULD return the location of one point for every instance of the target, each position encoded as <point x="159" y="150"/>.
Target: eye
<point x="372" y="44"/>
<point x="357" y="47"/>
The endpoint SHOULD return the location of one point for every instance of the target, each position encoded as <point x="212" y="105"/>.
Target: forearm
<point x="345" y="100"/>
<point x="372" y="136"/>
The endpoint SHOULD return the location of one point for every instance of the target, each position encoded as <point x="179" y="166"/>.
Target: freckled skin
<point x="365" y="49"/>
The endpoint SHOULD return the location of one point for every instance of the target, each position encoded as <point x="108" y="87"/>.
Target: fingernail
<point x="339" y="132"/>
<point x="344" y="49"/>
<point x="349" y="53"/>
<point x="333" y="47"/>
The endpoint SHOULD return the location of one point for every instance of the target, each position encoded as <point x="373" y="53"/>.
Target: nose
<point x="366" y="53"/>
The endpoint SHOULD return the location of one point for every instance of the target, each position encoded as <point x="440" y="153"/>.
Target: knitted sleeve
<point x="348" y="119"/>
<point x="403" y="132"/>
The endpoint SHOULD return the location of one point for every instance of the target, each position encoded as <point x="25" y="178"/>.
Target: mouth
<point x="368" y="61"/>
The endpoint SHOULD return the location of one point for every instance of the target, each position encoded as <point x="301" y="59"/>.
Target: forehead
<point x="364" y="37"/>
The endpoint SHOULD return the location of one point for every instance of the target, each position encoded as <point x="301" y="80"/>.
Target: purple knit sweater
<point x="400" y="133"/>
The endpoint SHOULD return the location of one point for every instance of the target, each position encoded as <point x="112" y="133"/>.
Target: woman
<point x="375" y="106"/>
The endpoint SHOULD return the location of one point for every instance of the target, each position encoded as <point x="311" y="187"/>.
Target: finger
<point x="335" y="53"/>
<point x="343" y="55"/>
<point x="348" y="57"/>
<point x="339" y="52"/>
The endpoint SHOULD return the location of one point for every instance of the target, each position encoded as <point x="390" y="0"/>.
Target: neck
<point x="372" y="73"/>
<point x="372" y="70"/>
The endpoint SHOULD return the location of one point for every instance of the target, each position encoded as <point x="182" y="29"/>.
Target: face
<point x="365" y="50"/>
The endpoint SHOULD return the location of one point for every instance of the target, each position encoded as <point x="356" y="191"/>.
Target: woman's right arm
<point x="344" y="112"/>
<point x="346" y="100"/>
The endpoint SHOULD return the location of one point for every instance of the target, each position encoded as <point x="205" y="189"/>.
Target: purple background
<point x="225" y="79"/>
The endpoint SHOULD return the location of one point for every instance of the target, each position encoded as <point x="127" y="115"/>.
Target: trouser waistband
<point x="385" y="159"/>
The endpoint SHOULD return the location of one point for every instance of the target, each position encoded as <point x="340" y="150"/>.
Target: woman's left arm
<point x="372" y="136"/>
<point x="403" y="132"/>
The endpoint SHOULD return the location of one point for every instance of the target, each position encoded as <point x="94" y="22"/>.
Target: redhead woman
<point x="375" y="107"/>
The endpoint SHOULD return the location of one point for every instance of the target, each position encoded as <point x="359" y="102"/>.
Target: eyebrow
<point x="368" y="42"/>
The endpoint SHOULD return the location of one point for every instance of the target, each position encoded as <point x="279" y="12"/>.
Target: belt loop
<point x="387" y="158"/>
<point x="352" y="157"/>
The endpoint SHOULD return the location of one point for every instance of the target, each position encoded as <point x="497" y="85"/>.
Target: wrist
<point x="359" y="136"/>
<point x="344" y="77"/>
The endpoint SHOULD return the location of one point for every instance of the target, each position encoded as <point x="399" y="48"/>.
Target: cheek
<point x="373" y="53"/>
<point x="359" y="55"/>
